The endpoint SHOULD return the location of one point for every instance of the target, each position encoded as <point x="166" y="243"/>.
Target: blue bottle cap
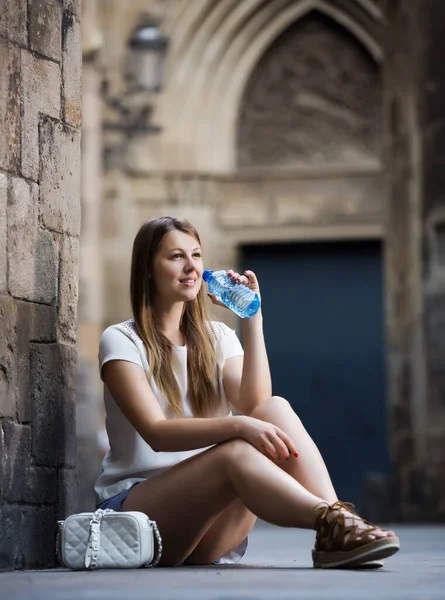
<point x="207" y="275"/>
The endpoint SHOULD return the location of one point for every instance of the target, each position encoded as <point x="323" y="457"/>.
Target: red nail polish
<point x="288" y="458"/>
<point x="296" y="454"/>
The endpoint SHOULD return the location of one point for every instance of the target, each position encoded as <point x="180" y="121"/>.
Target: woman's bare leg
<point x="234" y="523"/>
<point x="309" y="468"/>
<point x="187" y="499"/>
<point x="229" y="529"/>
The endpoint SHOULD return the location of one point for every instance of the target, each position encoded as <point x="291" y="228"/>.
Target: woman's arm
<point x="247" y="381"/>
<point x="129" y="387"/>
<point x="176" y="435"/>
<point x="256" y="382"/>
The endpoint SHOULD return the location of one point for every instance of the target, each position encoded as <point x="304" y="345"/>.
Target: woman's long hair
<point x="203" y="371"/>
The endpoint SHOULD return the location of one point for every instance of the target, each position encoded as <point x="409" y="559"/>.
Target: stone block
<point x="46" y="262"/>
<point x="32" y="254"/>
<point x="68" y="288"/>
<point x="3" y="234"/>
<point x="13" y="21"/>
<point x="60" y="177"/>
<point x="73" y="6"/>
<point x="329" y="200"/>
<point x="20" y="323"/>
<point x="14" y="350"/>
<point x="28" y="537"/>
<point x="10" y="94"/>
<point x="41" y="81"/>
<point x="42" y="321"/>
<point x="68" y="493"/>
<point x="72" y="71"/>
<point x="8" y="365"/>
<point x="243" y="206"/>
<point x="147" y="190"/>
<point x="53" y="374"/>
<point x="23" y="482"/>
<point x="21" y="360"/>
<point x="45" y="27"/>
<point x="37" y="323"/>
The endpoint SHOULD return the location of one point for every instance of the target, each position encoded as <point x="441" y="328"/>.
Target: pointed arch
<point x="220" y="44"/>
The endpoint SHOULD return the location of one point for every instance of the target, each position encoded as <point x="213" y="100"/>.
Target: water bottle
<point x="234" y="295"/>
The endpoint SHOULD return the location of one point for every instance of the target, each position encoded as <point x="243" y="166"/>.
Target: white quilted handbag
<point x="107" y="539"/>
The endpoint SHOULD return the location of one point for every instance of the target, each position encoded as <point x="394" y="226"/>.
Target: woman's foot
<point x="344" y="539"/>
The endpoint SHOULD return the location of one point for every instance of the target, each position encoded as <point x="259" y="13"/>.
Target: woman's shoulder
<point x="226" y="340"/>
<point x="120" y="332"/>
<point x="219" y="329"/>
<point x="119" y="342"/>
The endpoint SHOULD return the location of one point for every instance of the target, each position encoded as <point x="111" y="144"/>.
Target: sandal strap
<point x="332" y="534"/>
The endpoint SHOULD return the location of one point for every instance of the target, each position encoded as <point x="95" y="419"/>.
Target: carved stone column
<point x="415" y="263"/>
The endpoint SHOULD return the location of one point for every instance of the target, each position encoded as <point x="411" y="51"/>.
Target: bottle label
<point x="242" y="297"/>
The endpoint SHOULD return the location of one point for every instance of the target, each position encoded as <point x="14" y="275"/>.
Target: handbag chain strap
<point x="159" y="543"/>
<point x="93" y="545"/>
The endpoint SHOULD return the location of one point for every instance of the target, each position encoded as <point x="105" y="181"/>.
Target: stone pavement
<point x="277" y="565"/>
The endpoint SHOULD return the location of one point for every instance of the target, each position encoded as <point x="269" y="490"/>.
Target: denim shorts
<point x="115" y="503"/>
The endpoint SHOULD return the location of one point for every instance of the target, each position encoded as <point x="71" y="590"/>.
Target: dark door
<point x="323" y="321"/>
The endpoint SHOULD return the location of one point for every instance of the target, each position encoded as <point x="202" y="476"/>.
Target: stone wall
<point x="40" y="119"/>
<point x="415" y="262"/>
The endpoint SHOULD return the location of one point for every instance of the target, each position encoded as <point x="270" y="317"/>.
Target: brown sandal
<point x="333" y="551"/>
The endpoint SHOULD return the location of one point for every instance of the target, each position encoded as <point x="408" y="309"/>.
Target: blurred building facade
<point x="303" y="123"/>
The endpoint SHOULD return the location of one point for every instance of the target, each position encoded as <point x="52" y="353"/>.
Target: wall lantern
<point x="146" y="56"/>
<point x="146" y="51"/>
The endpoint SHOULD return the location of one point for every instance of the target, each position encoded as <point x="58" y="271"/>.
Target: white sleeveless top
<point x="130" y="459"/>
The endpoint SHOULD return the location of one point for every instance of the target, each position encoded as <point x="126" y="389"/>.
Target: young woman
<point x="178" y="455"/>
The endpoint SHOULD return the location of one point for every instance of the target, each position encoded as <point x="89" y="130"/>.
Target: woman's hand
<point x="248" y="279"/>
<point x="267" y="438"/>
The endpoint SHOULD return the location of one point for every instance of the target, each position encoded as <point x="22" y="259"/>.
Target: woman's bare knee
<point x="271" y="406"/>
<point x="235" y="449"/>
<point x="234" y="453"/>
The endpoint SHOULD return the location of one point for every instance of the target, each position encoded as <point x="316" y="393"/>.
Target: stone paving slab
<point x="277" y="565"/>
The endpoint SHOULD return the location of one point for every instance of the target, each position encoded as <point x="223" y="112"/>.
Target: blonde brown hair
<point x="203" y="370"/>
